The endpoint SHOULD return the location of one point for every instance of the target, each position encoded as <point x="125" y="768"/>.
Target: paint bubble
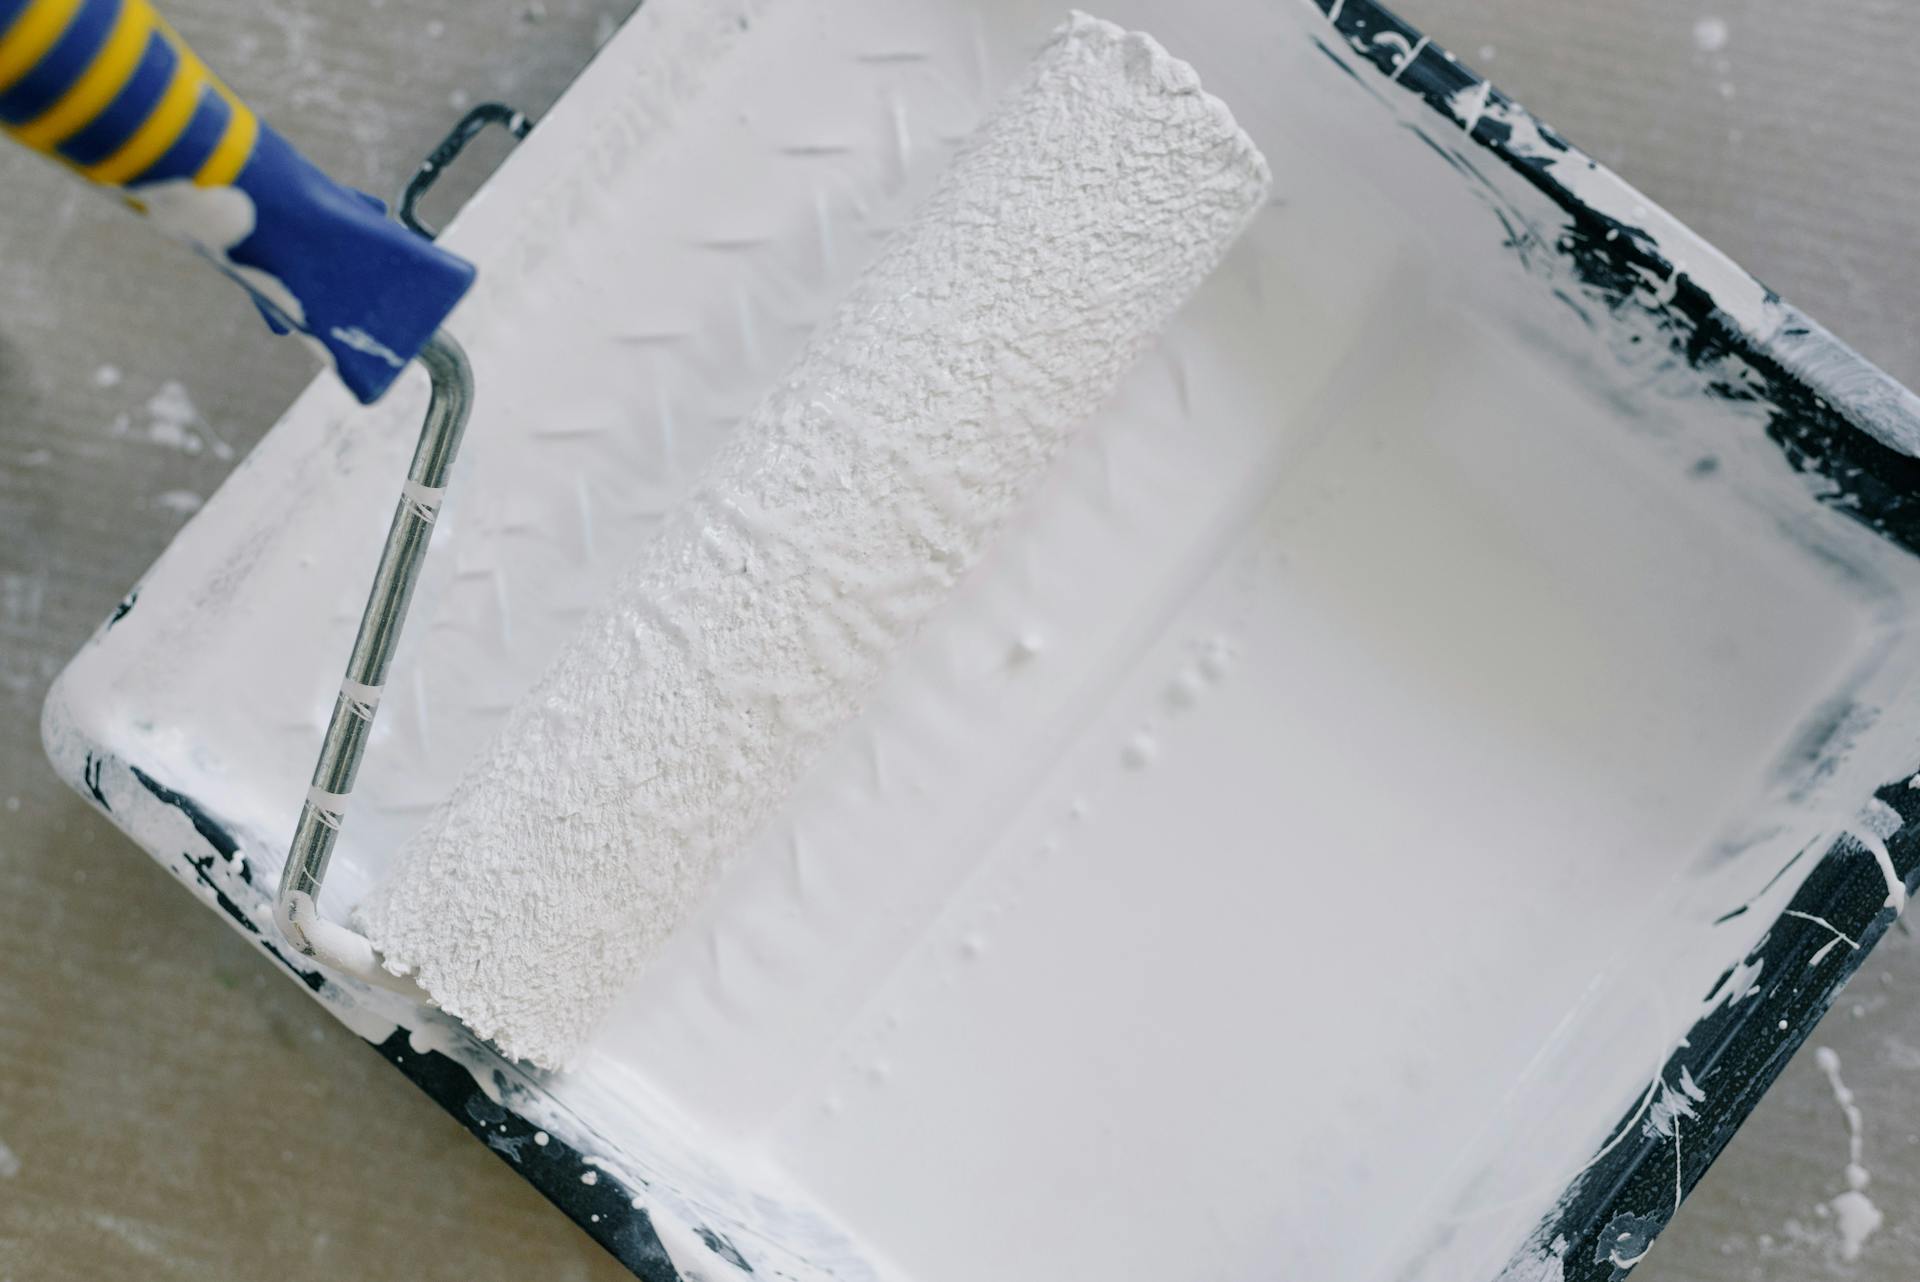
<point x="540" y="1138"/>
<point x="1185" y="689"/>
<point x="1140" y="750"/>
<point x="1215" y="657"/>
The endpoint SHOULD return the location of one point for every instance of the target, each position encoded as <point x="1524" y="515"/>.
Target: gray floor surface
<point x="171" y="1109"/>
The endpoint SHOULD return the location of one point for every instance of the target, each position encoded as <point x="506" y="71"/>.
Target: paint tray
<point x="1385" y="811"/>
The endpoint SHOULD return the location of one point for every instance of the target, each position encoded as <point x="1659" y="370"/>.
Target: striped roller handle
<point x="109" y="89"/>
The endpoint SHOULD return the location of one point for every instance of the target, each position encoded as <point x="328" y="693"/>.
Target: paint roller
<point x="1093" y="200"/>
<point x="1090" y="204"/>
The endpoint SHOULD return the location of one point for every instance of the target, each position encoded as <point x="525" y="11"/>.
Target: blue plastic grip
<point x="108" y="88"/>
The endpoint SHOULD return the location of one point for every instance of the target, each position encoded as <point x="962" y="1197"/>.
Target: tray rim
<point x="1837" y="415"/>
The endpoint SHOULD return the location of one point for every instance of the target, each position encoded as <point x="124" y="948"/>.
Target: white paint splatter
<point x="360" y="341"/>
<point x="1710" y="35"/>
<point x="1470" y="104"/>
<point x="183" y="502"/>
<point x="107" y="376"/>
<point x="9" y="1162"/>
<point x="1878" y="821"/>
<point x="175" y="422"/>
<point x="1839" y="936"/>
<point x="1855" y="1215"/>
<point x="1670" y="1104"/>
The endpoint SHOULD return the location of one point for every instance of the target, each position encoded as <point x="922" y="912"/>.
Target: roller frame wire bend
<point x="297" y="905"/>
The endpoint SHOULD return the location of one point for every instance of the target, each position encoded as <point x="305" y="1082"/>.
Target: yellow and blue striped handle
<point x="109" y="89"/>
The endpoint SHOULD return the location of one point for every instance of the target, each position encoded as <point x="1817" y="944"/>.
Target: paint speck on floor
<point x="22" y="598"/>
<point x="107" y="376"/>
<point x="591" y="1177"/>
<point x="9" y="1162"/>
<point x="1857" y="1218"/>
<point x="182" y="502"/>
<point x="1854" y="1213"/>
<point x="173" y="421"/>
<point x="1710" y="35"/>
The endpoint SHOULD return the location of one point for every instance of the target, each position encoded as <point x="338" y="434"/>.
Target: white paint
<point x="1854" y="1213"/>
<point x="106" y="376"/>
<point x="214" y="220"/>
<point x="360" y="341"/>
<point x="171" y="420"/>
<point x="1357" y="904"/>
<point x="1710" y="35"/>
<point x="1092" y="202"/>
<point x="1469" y="104"/>
<point x="1839" y="936"/>
<point x="179" y="502"/>
<point x="9" y="1162"/>
<point x="1741" y="299"/>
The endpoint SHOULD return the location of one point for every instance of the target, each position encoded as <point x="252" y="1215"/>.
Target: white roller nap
<point x="1089" y="206"/>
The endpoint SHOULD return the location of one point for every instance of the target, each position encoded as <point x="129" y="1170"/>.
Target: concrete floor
<point x="170" y="1109"/>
